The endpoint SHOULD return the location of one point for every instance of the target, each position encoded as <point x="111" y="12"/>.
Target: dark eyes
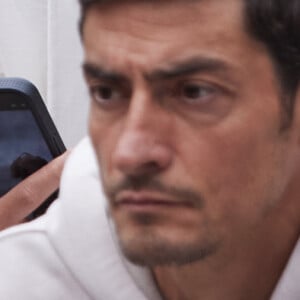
<point x="195" y="92"/>
<point x="187" y="92"/>
<point x="104" y="93"/>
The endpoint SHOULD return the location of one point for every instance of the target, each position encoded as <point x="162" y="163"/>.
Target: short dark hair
<point x="276" y="24"/>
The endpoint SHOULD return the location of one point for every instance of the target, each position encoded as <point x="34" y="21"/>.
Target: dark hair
<point x="275" y="23"/>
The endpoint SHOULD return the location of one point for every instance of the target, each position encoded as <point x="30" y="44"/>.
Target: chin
<point x="151" y="249"/>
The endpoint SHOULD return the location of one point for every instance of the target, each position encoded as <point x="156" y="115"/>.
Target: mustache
<point x="184" y="195"/>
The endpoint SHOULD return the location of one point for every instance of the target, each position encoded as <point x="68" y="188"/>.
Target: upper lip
<point x="145" y="197"/>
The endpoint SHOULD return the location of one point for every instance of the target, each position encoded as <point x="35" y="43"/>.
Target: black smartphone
<point x="28" y="136"/>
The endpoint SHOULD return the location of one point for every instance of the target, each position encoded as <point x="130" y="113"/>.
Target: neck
<point x="246" y="269"/>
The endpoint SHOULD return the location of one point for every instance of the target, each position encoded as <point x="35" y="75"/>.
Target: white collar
<point x="79" y="231"/>
<point x="92" y="254"/>
<point x="288" y="287"/>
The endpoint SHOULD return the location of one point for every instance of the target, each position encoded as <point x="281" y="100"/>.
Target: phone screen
<point x="23" y="149"/>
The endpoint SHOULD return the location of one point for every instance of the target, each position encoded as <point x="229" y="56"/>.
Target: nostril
<point x="141" y="169"/>
<point x="150" y="167"/>
<point x="146" y="162"/>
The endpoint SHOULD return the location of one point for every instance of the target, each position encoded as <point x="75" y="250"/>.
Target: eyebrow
<point x="177" y="69"/>
<point x="97" y="72"/>
<point x="188" y="67"/>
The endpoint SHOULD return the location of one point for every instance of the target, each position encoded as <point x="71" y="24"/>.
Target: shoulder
<point x="32" y="256"/>
<point x="31" y="267"/>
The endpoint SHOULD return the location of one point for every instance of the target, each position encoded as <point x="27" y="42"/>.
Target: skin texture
<point x="201" y="182"/>
<point x="19" y="202"/>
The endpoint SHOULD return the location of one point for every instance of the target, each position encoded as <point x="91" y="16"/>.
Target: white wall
<point x="39" y="41"/>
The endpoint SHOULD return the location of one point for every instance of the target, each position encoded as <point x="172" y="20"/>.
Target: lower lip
<point x="148" y="206"/>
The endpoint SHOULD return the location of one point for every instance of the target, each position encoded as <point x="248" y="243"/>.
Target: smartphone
<point x="28" y="136"/>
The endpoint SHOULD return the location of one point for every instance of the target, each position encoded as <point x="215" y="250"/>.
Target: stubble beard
<point x="149" y="246"/>
<point x="153" y="251"/>
<point x="148" y="243"/>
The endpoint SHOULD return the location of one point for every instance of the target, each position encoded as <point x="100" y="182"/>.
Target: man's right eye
<point x="103" y="94"/>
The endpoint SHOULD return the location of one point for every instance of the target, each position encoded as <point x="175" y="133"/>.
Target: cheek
<point x="238" y="174"/>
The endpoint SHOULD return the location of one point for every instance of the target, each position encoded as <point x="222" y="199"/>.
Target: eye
<point x="196" y="92"/>
<point x="106" y="94"/>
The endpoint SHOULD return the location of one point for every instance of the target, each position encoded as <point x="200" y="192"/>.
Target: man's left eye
<point x="193" y="92"/>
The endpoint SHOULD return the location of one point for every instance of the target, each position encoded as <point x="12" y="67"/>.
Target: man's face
<point x="185" y="119"/>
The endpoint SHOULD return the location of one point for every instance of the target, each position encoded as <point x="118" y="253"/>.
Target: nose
<point x="143" y="146"/>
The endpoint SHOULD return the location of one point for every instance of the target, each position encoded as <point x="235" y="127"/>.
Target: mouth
<point x="146" y="201"/>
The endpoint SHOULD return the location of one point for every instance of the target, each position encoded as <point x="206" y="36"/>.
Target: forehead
<point x="150" y="32"/>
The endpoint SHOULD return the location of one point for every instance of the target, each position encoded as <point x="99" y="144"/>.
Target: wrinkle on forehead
<point x="143" y="34"/>
<point x="146" y="19"/>
<point x="152" y="8"/>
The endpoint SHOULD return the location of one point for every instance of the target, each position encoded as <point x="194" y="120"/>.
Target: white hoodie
<point x="71" y="253"/>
